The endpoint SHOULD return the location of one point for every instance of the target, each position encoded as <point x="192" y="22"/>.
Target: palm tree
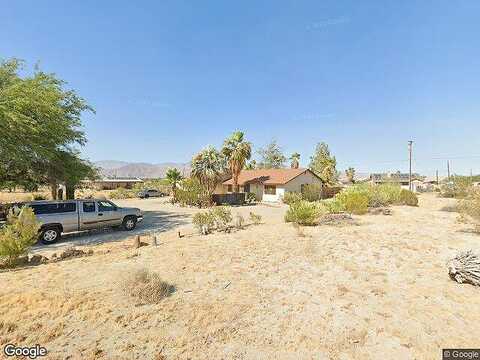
<point x="295" y="160"/>
<point x="237" y="151"/>
<point x="174" y="177"/>
<point x="208" y="166"/>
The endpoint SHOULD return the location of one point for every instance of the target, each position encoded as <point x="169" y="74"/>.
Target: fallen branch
<point x="465" y="268"/>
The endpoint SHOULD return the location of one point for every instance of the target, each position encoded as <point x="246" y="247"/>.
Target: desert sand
<point x="377" y="289"/>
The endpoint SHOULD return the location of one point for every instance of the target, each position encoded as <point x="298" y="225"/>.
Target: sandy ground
<point x="375" y="290"/>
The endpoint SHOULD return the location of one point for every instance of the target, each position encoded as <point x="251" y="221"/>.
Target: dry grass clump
<point x="469" y="209"/>
<point x="146" y="286"/>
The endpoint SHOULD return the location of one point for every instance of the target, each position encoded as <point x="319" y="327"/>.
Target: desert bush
<point x="383" y="195"/>
<point x="469" y="208"/>
<point x="408" y="197"/>
<point x="222" y="217"/>
<point x="291" y="197"/>
<point x="312" y="192"/>
<point x="458" y="187"/>
<point x="239" y="221"/>
<point x="204" y="222"/>
<point x="121" y="193"/>
<point x="354" y="200"/>
<point x="146" y="286"/>
<point x="20" y="233"/>
<point x="192" y="193"/>
<point x="36" y="197"/>
<point x="304" y="213"/>
<point x="333" y="206"/>
<point x="255" y="218"/>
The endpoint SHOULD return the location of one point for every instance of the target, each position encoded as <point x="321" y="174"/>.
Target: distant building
<point x="108" y="183"/>
<point x="402" y="179"/>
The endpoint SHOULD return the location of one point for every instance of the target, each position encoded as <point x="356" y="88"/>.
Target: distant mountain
<point x="112" y="168"/>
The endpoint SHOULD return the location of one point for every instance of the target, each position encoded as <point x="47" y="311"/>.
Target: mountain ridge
<point x="114" y="168"/>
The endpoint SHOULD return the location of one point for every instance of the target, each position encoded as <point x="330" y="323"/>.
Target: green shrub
<point x="222" y="217"/>
<point x="18" y="235"/>
<point x="255" y="218"/>
<point x="383" y="195"/>
<point x="304" y="213"/>
<point x="312" y="192"/>
<point x="408" y="197"/>
<point x="291" y="197"/>
<point x="333" y="206"/>
<point x="204" y="222"/>
<point x="121" y="193"/>
<point x="354" y="202"/>
<point x="192" y="193"/>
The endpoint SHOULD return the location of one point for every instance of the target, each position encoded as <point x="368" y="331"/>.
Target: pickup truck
<point x="57" y="217"/>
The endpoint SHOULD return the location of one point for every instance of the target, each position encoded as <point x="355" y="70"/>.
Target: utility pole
<point x="410" y="143"/>
<point x="437" y="176"/>
<point x="448" y="169"/>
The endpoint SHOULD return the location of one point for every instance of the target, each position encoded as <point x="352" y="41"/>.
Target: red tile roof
<point x="268" y="176"/>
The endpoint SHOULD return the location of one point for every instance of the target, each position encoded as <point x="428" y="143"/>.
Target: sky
<point x="167" y="78"/>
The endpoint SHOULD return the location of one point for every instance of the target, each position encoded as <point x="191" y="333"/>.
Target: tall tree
<point x="174" y="177"/>
<point x="350" y="173"/>
<point x="271" y="156"/>
<point x="208" y="166"/>
<point x="237" y="151"/>
<point x="39" y="122"/>
<point x="295" y="160"/>
<point x="324" y="164"/>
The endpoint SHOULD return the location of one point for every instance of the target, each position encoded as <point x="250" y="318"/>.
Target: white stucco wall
<point x="274" y="198"/>
<point x="295" y="185"/>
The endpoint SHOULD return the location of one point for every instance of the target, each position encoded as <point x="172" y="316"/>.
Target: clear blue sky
<point x="169" y="77"/>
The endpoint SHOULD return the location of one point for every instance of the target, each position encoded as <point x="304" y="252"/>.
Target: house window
<point x="270" y="190"/>
<point x="230" y="188"/>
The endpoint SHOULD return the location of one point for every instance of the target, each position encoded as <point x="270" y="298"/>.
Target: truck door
<point x="108" y="213"/>
<point x="88" y="215"/>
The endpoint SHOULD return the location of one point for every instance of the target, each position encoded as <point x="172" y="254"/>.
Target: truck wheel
<point x="129" y="223"/>
<point x="50" y="235"/>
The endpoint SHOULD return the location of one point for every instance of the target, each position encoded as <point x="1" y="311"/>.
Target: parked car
<point x="145" y="194"/>
<point x="57" y="217"/>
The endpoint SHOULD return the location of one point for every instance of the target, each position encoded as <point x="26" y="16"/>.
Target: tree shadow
<point x="154" y="222"/>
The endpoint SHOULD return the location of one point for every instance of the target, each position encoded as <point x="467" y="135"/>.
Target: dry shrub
<point x="255" y="218"/>
<point x="122" y="193"/>
<point x="408" y="197"/>
<point x="146" y="286"/>
<point x="469" y="208"/>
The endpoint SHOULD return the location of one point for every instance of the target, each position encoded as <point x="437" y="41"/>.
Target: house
<point x="270" y="184"/>
<point x="112" y="183"/>
<point x="402" y="179"/>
